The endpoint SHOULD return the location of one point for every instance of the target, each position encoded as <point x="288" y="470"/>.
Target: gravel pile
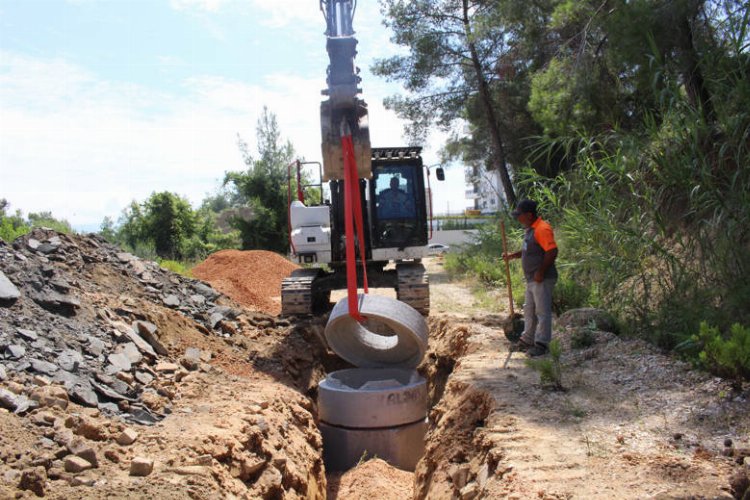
<point x="79" y="320"/>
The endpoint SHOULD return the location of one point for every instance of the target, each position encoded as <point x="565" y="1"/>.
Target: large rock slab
<point x="8" y="291"/>
<point x="148" y="332"/>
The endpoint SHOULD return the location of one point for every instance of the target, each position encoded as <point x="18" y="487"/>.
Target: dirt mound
<point x="371" y="479"/>
<point x="252" y="277"/>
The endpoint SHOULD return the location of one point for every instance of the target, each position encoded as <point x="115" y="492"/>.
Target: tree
<point x="263" y="188"/>
<point x="168" y="222"/>
<point x="162" y="224"/>
<point x="453" y="50"/>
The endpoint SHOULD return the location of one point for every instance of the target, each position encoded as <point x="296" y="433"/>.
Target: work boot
<point x="521" y="345"/>
<point x="537" y="350"/>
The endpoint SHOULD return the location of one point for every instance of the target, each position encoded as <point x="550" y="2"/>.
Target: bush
<point x="728" y="358"/>
<point x="569" y="294"/>
<point x="177" y="267"/>
<point x="10" y="231"/>
<point x="550" y="370"/>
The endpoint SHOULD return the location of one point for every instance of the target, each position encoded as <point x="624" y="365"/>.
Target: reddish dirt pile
<point x="252" y="277"/>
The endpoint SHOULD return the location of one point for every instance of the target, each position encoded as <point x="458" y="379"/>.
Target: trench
<point x="456" y="411"/>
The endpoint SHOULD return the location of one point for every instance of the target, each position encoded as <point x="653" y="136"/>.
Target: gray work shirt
<point x="532" y="253"/>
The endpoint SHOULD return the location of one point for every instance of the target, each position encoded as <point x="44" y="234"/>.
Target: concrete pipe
<point x="401" y="446"/>
<point x="394" y="334"/>
<point x="375" y="397"/>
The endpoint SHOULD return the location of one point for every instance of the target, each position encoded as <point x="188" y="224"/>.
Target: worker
<point x="394" y="202"/>
<point x="537" y="255"/>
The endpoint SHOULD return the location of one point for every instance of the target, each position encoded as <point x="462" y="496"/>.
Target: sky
<point x="103" y="102"/>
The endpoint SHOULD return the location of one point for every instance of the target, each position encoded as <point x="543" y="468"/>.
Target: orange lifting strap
<point x="353" y="210"/>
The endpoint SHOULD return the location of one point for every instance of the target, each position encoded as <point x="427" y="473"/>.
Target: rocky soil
<point x="119" y="379"/>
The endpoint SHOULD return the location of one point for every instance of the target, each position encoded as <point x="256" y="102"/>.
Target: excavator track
<point x="413" y="287"/>
<point x="299" y="296"/>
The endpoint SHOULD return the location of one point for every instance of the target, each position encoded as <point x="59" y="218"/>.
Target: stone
<point x="84" y="395"/>
<point x="469" y="491"/>
<point x="109" y="392"/>
<point x="15" y="351"/>
<point x="584" y="317"/>
<point x="144" y="378"/>
<point x="8" y="400"/>
<point x="8" y="291"/>
<point x="76" y="464"/>
<point x="148" y="332"/>
<point x="198" y="300"/>
<point x="171" y="300"/>
<point x="127" y="437"/>
<point x="126" y="377"/>
<point x="192" y="358"/>
<point x="141" y="466"/>
<point x="215" y="319"/>
<point x="131" y="351"/>
<point x="3" y="375"/>
<point x="42" y="366"/>
<point x="56" y="302"/>
<point x="118" y="361"/>
<point x="91" y="429"/>
<point x="33" y="480"/>
<point x="135" y="338"/>
<point x="206" y="291"/>
<point x="43" y="418"/>
<point x="166" y="367"/>
<point x="47" y="248"/>
<point x="69" y="360"/>
<point x="33" y="244"/>
<point x="138" y="267"/>
<point x="41" y="380"/>
<point x="95" y="346"/>
<point x="27" y="334"/>
<point x="80" y="448"/>
<point x="125" y="257"/>
<point x="83" y="480"/>
<point x="51" y="395"/>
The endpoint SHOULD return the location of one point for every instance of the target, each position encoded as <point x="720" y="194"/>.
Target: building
<point x="486" y="190"/>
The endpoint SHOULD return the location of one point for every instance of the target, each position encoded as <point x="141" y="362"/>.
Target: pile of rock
<point x="59" y="332"/>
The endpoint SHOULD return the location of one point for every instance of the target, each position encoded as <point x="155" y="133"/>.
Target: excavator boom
<point x="344" y="112"/>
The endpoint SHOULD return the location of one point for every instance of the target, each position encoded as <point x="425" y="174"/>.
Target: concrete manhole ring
<point x="372" y="397"/>
<point x="394" y="335"/>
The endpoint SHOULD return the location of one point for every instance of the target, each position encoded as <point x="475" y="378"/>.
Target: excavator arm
<point x="344" y="111"/>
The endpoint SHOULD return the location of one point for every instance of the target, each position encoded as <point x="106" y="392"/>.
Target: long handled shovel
<point x="514" y="328"/>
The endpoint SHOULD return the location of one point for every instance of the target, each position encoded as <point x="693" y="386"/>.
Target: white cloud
<point x="202" y="5"/>
<point x="83" y="147"/>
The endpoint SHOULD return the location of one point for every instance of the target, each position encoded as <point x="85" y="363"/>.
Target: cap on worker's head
<point x="524" y="206"/>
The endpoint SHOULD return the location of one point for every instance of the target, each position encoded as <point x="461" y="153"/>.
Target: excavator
<point x="383" y="187"/>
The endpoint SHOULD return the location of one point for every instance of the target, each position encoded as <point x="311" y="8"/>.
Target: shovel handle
<point x="507" y="268"/>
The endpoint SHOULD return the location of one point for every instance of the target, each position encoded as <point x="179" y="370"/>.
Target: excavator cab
<point x="397" y="193"/>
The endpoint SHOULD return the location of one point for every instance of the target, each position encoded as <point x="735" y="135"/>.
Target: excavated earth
<point x="119" y="379"/>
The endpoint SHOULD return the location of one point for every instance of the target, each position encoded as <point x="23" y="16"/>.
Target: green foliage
<point x="166" y="227"/>
<point x="45" y="219"/>
<point x="164" y="223"/>
<point x="559" y="99"/>
<point x="11" y="226"/>
<point x="583" y="337"/>
<point x="569" y="294"/>
<point x="550" y="368"/>
<point x="263" y="188"/>
<point x="727" y="357"/>
<point x="176" y="267"/>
